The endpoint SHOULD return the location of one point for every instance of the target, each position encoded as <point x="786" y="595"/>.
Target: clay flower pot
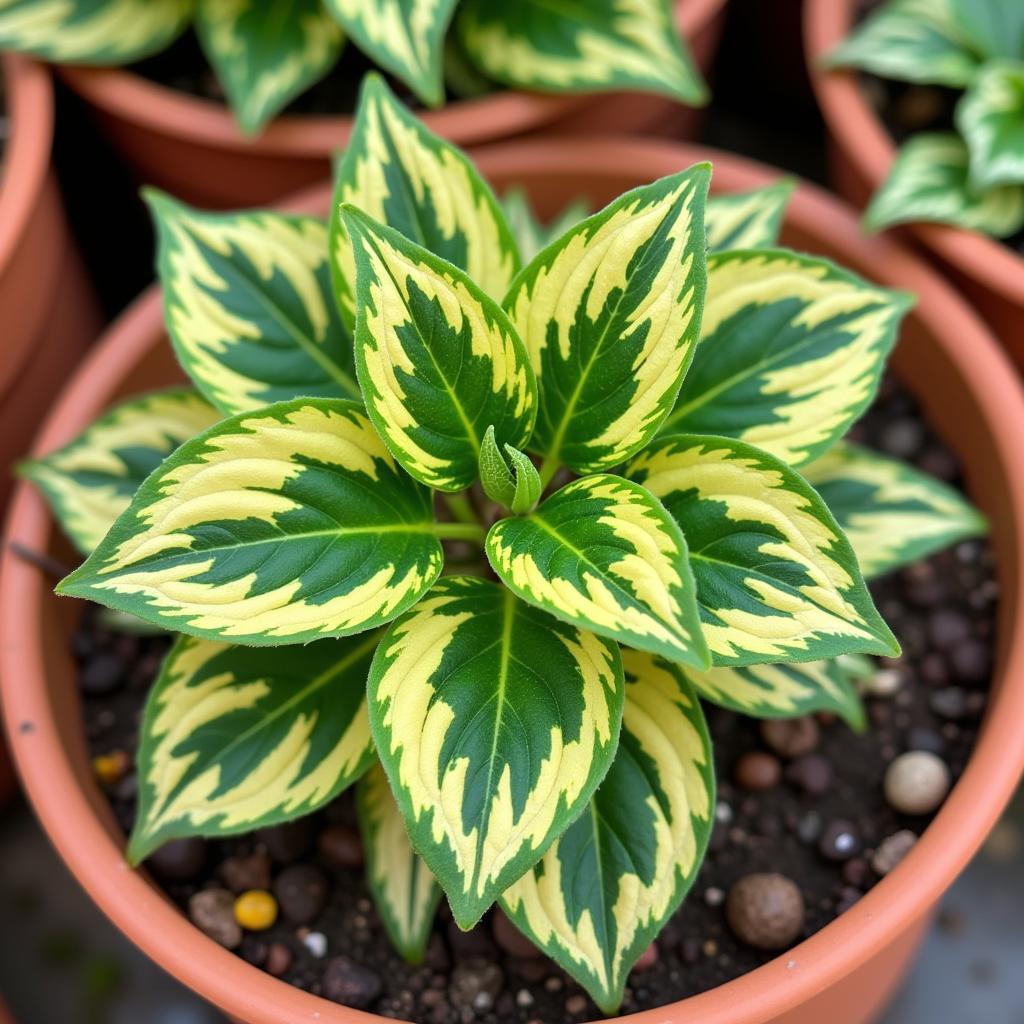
<point x="192" y="148"/>
<point x="47" y="308"/>
<point x="845" y="972"/>
<point x="862" y="151"/>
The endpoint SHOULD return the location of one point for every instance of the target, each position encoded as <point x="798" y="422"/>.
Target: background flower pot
<point x="844" y="973"/>
<point x="862" y="151"/>
<point x="192" y="147"/>
<point x="46" y="304"/>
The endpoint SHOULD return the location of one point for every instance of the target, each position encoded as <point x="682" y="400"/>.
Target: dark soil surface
<point x="943" y="612"/>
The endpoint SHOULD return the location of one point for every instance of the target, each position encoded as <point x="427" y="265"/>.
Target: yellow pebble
<point x="256" y="910"/>
<point x="111" y="768"/>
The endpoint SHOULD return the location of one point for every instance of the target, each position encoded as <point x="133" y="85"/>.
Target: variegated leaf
<point x="776" y="578"/>
<point x="438" y="360"/>
<point x="405" y="892"/>
<point x="990" y="116"/>
<point x="581" y="46"/>
<point x="530" y="234"/>
<point x="892" y="514"/>
<point x="911" y="41"/>
<point x="603" y="554"/>
<point x="604" y="890"/>
<point x="248" y="306"/>
<point x="284" y="525"/>
<point x="786" y="690"/>
<point x="747" y="220"/>
<point x="791" y="352"/>
<point x="992" y="28"/>
<point x="610" y="314"/>
<point x="266" y="52"/>
<point x="90" y="481"/>
<point x="928" y="182"/>
<point x="235" y="738"/>
<point x="495" y="723"/>
<point x="91" y="31"/>
<point x="402" y="175"/>
<point x="405" y="37"/>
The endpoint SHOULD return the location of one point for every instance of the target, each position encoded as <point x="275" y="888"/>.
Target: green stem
<point x="548" y="468"/>
<point x="459" y="506"/>
<point x="460" y="531"/>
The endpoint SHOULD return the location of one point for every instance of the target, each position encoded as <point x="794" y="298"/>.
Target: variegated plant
<point x="267" y="52"/>
<point x="523" y="519"/>
<point x="972" y="176"/>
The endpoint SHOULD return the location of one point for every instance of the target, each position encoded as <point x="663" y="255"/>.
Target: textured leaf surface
<point x="610" y="315"/>
<point x="91" y="31"/>
<point x="911" y="41"/>
<point x="403" y="889"/>
<point x="990" y="117"/>
<point x="266" y="52"/>
<point x="603" y="891"/>
<point x="508" y="477"/>
<point x="288" y="524"/>
<point x="791" y="352"/>
<point x="235" y="738"/>
<point x="581" y="46"/>
<point x="928" y="182"/>
<point x="406" y="37"/>
<point x="892" y="514"/>
<point x="400" y="174"/>
<point x="776" y="578"/>
<point x="747" y="220"/>
<point x="495" y="723"/>
<point x="530" y="233"/>
<point x="438" y="360"/>
<point x="785" y="690"/>
<point x="247" y="301"/>
<point x="90" y="481"/>
<point x="603" y="554"/>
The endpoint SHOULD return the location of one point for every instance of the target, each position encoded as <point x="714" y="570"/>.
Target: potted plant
<point x="635" y="271"/>
<point x="934" y="155"/>
<point x="168" y="117"/>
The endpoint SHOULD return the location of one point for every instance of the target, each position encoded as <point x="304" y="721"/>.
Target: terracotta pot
<point x="845" y="972"/>
<point x="192" y="147"/>
<point x="47" y="307"/>
<point x="862" y="151"/>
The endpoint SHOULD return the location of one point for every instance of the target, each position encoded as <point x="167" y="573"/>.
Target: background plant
<point x="520" y="542"/>
<point x="974" y="176"/>
<point x="266" y="52"/>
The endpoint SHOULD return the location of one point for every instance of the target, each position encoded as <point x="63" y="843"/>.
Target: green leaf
<point x="747" y="220"/>
<point x="786" y="690"/>
<point x="400" y="174"/>
<point x="234" y="738"/>
<point x="91" y="31"/>
<point x="530" y="234"/>
<point x="776" y="578"/>
<point x="516" y="487"/>
<point x="610" y="314"/>
<point x="405" y="892"/>
<point x="284" y="525"/>
<point x="993" y="28"/>
<point x="892" y="514"/>
<point x="910" y="41"/>
<point x="581" y="46"/>
<point x="791" y="352"/>
<point x="248" y="306"/>
<point x="90" y="481"/>
<point x="604" y="890"/>
<point x="603" y="554"/>
<point x="928" y="182"/>
<point x="438" y="360"/>
<point x="990" y="117"/>
<point x="266" y="52"/>
<point x="495" y="723"/>
<point x="405" y="37"/>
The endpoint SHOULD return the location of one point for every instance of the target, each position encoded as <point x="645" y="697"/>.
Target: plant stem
<point x="459" y="506"/>
<point x="548" y="468"/>
<point x="460" y="531"/>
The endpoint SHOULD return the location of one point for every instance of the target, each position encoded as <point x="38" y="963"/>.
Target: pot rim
<point x="758" y="997"/>
<point x="864" y="141"/>
<point x="131" y="97"/>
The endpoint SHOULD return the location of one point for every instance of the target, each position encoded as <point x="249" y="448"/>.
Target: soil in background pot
<point x="809" y="806"/>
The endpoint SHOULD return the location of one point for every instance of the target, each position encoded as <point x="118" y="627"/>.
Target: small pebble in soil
<point x="475" y="985"/>
<point x="511" y="939"/>
<point x="111" y="768"/>
<point x="315" y="942"/>
<point x="758" y="771"/>
<point x="279" y="959"/>
<point x="790" y="737"/>
<point x="340" y="846"/>
<point x="102" y="674"/>
<point x="812" y="773"/>
<point x="892" y="850"/>
<point x="647" y="959"/>
<point x="246" y="871"/>
<point x="884" y="683"/>
<point x="349" y="983"/>
<point x="179" y="860"/>
<point x="302" y="891"/>
<point x="213" y="912"/>
<point x="916" y="782"/>
<point x="765" y="910"/>
<point x="256" y="910"/>
<point x="839" y="841"/>
<point x="287" y="843"/>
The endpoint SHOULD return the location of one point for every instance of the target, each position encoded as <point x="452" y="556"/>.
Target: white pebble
<point x="884" y="683"/>
<point x="916" y="782"/>
<point x="316" y="943"/>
